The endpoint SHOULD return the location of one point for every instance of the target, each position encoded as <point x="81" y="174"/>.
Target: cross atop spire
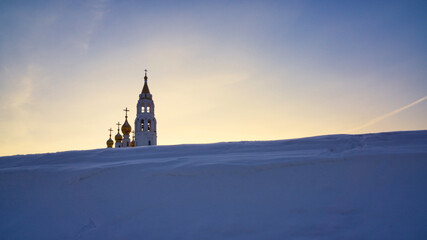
<point x="118" y="126"/>
<point x="110" y="131"/>
<point x="145" y="88"/>
<point x="126" y="110"/>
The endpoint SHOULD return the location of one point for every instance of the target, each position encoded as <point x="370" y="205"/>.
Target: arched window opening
<point x="148" y="109"/>
<point x="149" y="125"/>
<point x="149" y="142"/>
<point x="143" y="107"/>
<point x="142" y="125"/>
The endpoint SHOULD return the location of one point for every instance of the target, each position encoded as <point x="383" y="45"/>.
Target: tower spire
<point x="118" y="127"/>
<point x="145" y="88"/>
<point x="110" y="131"/>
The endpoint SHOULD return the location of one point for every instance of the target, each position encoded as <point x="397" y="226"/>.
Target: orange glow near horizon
<point x="218" y="72"/>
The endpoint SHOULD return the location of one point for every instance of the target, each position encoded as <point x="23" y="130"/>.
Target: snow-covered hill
<point x="329" y="187"/>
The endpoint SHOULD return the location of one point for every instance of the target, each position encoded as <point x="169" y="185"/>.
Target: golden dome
<point x="126" y="128"/>
<point x="110" y="143"/>
<point x="118" y="137"/>
<point x="132" y="144"/>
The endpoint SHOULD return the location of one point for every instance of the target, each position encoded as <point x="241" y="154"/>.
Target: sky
<point x="218" y="70"/>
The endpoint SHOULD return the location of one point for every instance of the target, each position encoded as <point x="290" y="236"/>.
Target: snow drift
<point x="369" y="186"/>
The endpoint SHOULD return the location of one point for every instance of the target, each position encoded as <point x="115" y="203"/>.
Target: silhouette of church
<point x="145" y="132"/>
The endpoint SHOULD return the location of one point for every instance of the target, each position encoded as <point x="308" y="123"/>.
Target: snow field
<point x="369" y="186"/>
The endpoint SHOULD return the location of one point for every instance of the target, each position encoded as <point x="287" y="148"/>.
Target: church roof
<point x="145" y="88"/>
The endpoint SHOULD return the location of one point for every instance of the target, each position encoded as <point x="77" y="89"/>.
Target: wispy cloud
<point x="18" y="87"/>
<point x="382" y="117"/>
<point x="17" y="104"/>
<point x="98" y="9"/>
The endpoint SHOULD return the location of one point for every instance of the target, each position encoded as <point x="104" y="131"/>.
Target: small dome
<point x="118" y="137"/>
<point x="126" y="128"/>
<point x="110" y="143"/>
<point x="132" y="144"/>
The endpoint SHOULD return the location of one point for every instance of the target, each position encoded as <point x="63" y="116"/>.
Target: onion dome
<point x="118" y="137"/>
<point x="132" y="144"/>
<point x="126" y="128"/>
<point x="110" y="141"/>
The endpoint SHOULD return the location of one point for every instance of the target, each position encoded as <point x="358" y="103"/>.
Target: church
<point x="145" y="130"/>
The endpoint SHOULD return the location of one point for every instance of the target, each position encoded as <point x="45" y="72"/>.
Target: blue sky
<point x="218" y="70"/>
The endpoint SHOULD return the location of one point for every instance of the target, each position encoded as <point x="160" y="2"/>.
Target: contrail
<point x="375" y="120"/>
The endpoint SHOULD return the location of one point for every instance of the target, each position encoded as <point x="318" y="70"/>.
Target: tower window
<point x="148" y="109"/>
<point x="149" y="125"/>
<point x="149" y="142"/>
<point x="142" y="125"/>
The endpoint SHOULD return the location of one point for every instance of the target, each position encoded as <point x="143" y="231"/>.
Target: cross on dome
<point x="110" y="141"/>
<point x="126" y="128"/>
<point x="126" y="110"/>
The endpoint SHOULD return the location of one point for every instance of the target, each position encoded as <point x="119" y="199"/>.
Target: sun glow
<point x="223" y="71"/>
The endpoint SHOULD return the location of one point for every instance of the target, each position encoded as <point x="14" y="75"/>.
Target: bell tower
<point x="145" y="122"/>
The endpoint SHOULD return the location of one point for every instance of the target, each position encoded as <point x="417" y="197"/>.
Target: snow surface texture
<point x="329" y="187"/>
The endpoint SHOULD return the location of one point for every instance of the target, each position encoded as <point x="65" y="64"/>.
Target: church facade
<point x="145" y="133"/>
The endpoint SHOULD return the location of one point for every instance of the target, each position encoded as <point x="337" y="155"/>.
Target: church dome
<point x="110" y="143"/>
<point x="118" y="137"/>
<point x="126" y="128"/>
